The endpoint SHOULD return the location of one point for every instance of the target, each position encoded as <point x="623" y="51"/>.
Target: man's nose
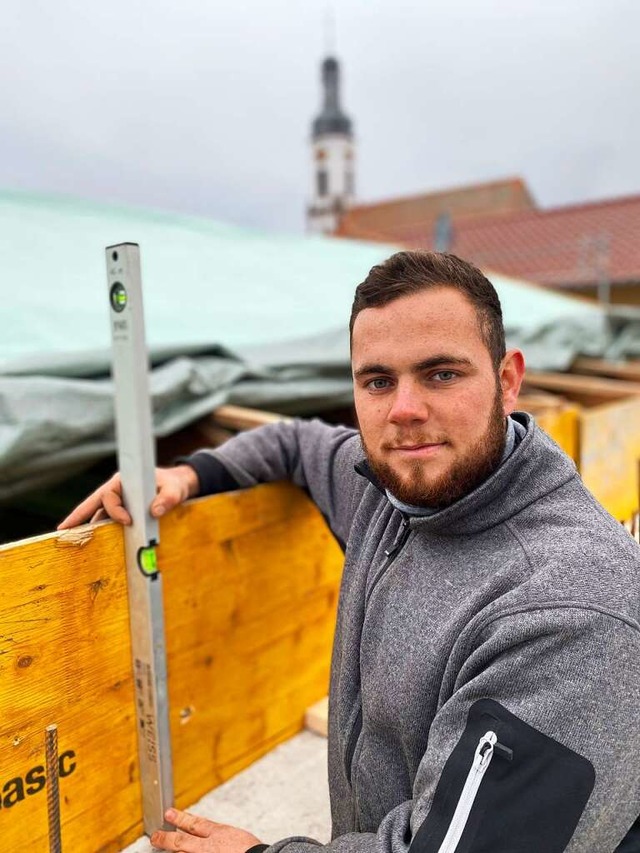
<point x="409" y="404"/>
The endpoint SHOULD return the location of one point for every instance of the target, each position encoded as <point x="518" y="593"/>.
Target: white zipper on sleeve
<point x="481" y="761"/>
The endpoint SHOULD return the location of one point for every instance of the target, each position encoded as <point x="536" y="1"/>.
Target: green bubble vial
<point x="148" y="561"/>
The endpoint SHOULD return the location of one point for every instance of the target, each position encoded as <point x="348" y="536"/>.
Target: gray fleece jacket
<point x="485" y="687"/>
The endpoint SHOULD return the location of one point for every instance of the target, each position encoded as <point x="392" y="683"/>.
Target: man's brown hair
<point x="410" y="272"/>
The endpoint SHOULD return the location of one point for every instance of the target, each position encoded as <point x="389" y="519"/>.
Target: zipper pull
<point x="484" y="752"/>
<point x="503" y="751"/>
<point x="401" y="538"/>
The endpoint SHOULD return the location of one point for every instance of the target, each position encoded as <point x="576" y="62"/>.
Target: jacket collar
<point x="536" y="468"/>
<point x="364" y="469"/>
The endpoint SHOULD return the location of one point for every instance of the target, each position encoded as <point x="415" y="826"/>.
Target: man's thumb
<point x="158" y="509"/>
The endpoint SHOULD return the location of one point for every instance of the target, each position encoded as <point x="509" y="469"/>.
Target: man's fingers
<point x="171" y="492"/>
<point x="165" y="500"/>
<point x="82" y="512"/>
<point x="175" y="485"/>
<point x="108" y="497"/>
<point x="200" y="826"/>
<point x="112" y="502"/>
<point x="178" y="841"/>
<point x="201" y="835"/>
<point x="190" y="830"/>
<point x="164" y="840"/>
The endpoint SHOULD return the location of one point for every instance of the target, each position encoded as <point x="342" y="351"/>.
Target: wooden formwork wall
<point x="604" y="441"/>
<point x="250" y="586"/>
<point x="610" y="455"/>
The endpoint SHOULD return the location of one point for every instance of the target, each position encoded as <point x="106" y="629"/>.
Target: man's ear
<point x="511" y="376"/>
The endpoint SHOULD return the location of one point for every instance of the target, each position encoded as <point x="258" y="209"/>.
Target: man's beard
<point x="462" y="477"/>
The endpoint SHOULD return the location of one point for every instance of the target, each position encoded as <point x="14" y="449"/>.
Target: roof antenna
<point x="330" y="37"/>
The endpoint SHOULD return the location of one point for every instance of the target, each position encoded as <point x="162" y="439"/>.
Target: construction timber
<point x="250" y="587"/>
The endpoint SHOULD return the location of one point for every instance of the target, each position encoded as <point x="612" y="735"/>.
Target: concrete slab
<point x="285" y="793"/>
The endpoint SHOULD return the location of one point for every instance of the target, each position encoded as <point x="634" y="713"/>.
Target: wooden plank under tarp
<point x="250" y="586"/>
<point x="627" y="370"/>
<point x="586" y="390"/>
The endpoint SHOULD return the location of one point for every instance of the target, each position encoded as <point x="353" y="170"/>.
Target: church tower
<point x="332" y="157"/>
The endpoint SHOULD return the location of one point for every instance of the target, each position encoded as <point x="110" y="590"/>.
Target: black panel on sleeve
<point x="631" y="842"/>
<point x="212" y="474"/>
<point x="530" y="799"/>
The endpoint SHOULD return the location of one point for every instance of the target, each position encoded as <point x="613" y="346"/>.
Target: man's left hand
<point x="199" y="835"/>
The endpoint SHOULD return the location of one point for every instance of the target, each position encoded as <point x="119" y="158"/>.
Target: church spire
<point x="331" y="118"/>
<point x="333" y="156"/>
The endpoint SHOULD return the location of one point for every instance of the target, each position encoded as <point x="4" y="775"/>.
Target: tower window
<point x="349" y="183"/>
<point x="323" y="182"/>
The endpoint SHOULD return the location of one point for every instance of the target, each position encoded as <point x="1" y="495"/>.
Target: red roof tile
<point x="507" y="195"/>
<point x="565" y="246"/>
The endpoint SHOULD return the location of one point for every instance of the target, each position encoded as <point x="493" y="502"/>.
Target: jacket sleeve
<point x="315" y="456"/>
<point x="535" y="747"/>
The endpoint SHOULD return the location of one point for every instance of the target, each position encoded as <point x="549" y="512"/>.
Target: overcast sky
<point x="205" y="107"/>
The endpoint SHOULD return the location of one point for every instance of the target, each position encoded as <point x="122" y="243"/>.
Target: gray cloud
<point x="205" y="108"/>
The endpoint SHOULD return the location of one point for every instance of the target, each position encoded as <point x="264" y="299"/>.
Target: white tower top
<point x="332" y="157"/>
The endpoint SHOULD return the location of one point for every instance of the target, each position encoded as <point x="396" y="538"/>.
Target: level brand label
<point x="16" y="790"/>
<point x="146" y="707"/>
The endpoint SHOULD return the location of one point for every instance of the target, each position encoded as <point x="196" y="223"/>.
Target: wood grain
<point x="610" y="456"/>
<point x="250" y="585"/>
<point x="563" y="425"/>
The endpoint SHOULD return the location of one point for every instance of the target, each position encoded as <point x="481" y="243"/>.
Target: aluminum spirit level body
<point x="136" y="462"/>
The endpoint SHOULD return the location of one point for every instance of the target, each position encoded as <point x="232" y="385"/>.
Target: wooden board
<point x="250" y="584"/>
<point x="627" y="370"/>
<point x="563" y="425"/>
<point x="241" y="417"/>
<point x="610" y="455"/>
<point x="317" y="717"/>
<point x="586" y="390"/>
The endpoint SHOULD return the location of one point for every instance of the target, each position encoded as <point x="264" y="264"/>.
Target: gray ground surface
<point x="285" y="793"/>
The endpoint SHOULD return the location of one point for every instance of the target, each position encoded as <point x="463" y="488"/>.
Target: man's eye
<point x="445" y="375"/>
<point x="378" y="384"/>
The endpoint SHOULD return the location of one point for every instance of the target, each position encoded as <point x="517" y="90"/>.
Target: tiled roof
<point x="566" y="246"/>
<point x="503" y="196"/>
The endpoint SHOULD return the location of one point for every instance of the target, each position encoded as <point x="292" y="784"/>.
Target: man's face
<point x="430" y="406"/>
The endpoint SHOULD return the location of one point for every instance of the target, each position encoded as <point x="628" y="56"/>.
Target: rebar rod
<point x="53" y="793"/>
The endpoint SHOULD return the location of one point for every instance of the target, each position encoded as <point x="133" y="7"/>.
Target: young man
<point x="486" y="668"/>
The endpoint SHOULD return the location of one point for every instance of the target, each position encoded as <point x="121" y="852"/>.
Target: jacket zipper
<point x="481" y="761"/>
<point x="356" y="730"/>
<point x="391" y="554"/>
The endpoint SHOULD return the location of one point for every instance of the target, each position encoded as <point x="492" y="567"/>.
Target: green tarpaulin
<point x="232" y="316"/>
